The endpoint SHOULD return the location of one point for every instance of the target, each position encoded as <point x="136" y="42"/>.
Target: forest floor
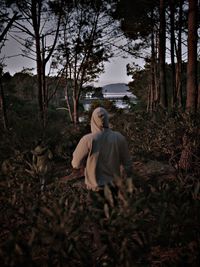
<point x="151" y="169"/>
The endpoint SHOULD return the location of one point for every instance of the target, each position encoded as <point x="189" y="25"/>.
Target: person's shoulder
<point x="118" y="134"/>
<point x="87" y="137"/>
<point x="120" y="137"/>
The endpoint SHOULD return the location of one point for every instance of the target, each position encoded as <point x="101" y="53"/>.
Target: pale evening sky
<point x="115" y="70"/>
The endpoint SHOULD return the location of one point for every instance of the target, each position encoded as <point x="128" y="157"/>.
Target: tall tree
<point x="141" y="23"/>
<point x="162" y="50"/>
<point x="6" y="22"/>
<point x="172" y="50"/>
<point x="192" y="89"/>
<point x="198" y="104"/>
<point x="153" y="91"/>
<point x="39" y="26"/>
<point x="82" y="49"/>
<point x="2" y="102"/>
<point x="179" y="94"/>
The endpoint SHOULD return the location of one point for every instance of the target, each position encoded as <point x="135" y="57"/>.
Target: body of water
<point x="119" y="103"/>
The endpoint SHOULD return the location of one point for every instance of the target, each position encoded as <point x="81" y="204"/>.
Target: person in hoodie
<point x="101" y="153"/>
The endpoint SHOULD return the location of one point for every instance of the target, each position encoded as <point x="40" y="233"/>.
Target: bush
<point x="158" y="136"/>
<point x="150" y="223"/>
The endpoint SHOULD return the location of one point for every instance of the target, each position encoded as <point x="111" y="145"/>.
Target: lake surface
<point x="119" y="103"/>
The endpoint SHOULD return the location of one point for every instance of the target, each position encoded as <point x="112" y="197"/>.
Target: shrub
<point x="151" y="222"/>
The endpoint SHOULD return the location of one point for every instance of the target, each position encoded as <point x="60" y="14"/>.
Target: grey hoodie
<point x="101" y="152"/>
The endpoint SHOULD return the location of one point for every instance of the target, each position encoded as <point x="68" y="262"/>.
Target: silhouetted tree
<point x="172" y="48"/>
<point x="39" y="26"/>
<point x="192" y="89"/>
<point x="162" y="50"/>
<point x="6" y="22"/>
<point x="83" y="48"/>
<point x="2" y="102"/>
<point x="179" y="89"/>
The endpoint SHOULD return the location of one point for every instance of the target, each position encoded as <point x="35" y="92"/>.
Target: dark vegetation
<point x="155" y="221"/>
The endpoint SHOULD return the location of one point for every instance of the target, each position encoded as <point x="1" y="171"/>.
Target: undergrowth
<point x="150" y="224"/>
<point x="154" y="221"/>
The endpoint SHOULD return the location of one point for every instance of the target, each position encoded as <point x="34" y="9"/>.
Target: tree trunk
<point x="39" y="78"/>
<point x="2" y="96"/>
<point x="8" y="26"/>
<point x="162" y="48"/>
<point x="41" y="57"/>
<point x="198" y="104"/>
<point x="185" y="162"/>
<point x="3" y="104"/>
<point x="44" y="86"/>
<point x="172" y="43"/>
<point x="149" y="99"/>
<point x="75" y="109"/>
<point x="153" y="70"/>
<point x="67" y="100"/>
<point x="156" y="67"/>
<point x="153" y="81"/>
<point x="36" y="26"/>
<point x="192" y="92"/>
<point x="179" y="94"/>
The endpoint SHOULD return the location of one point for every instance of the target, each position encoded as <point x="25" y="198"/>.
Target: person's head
<point x="99" y="120"/>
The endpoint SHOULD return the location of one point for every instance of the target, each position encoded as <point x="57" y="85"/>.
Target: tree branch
<point x="9" y="25"/>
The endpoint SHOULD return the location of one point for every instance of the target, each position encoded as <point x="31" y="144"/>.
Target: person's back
<point x="102" y="152"/>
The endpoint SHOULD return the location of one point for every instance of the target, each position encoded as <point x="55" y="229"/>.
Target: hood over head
<point x="99" y="120"/>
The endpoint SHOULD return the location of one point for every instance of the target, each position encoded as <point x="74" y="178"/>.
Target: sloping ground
<point x="62" y="172"/>
<point x="144" y="170"/>
<point x="153" y="168"/>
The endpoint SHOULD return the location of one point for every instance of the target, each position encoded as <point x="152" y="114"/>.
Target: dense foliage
<point x="154" y="223"/>
<point x="153" y="220"/>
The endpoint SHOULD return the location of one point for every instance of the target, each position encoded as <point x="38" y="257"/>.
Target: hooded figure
<point x="101" y="152"/>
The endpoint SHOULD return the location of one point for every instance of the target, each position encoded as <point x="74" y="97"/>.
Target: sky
<point x="115" y="69"/>
<point x="115" y="72"/>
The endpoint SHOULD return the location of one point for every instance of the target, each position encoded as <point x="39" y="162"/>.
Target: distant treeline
<point x="23" y="86"/>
